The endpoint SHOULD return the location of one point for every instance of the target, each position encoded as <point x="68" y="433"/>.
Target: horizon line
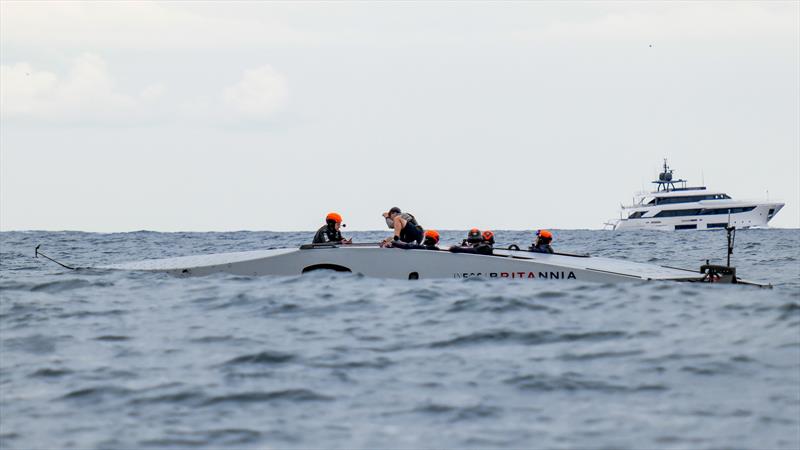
<point x="343" y="231"/>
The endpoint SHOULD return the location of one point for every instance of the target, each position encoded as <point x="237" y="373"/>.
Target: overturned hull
<point x="374" y="261"/>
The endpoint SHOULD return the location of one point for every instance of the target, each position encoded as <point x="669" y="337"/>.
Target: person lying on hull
<point x="405" y="226"/>
<point x="476" y="243"/>
<point x="430" y="242"/>
<point x="330" y="231"/>
<point x="542" y="243"/>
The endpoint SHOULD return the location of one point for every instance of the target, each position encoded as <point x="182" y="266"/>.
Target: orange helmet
<point x="544" y="234"/>
<point x="333" y="217"/>
<point x="474" y="235"/>
<point x="433" y="234"/>
<point x="488" y="236"/>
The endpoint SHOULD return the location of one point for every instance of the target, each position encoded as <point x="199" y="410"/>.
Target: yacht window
<point x="637" y="214"/>
<point x="689" y="199"/>
<point x="678" y="212"/>
<point x="715" y="211"/>
<point x="703" y="212"/>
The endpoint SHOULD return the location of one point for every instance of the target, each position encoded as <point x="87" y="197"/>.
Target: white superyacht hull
<point x="758" y="217"/>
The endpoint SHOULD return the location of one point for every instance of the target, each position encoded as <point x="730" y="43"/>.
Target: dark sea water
<point x="104" y="359"/>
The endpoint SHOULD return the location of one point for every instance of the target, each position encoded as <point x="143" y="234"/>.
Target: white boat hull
<point x="374" y="261"/>
<point x="757" y="218"/>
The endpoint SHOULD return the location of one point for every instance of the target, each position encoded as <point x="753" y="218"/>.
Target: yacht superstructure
<point x="674" y="206"/>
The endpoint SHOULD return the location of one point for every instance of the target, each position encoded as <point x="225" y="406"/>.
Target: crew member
<point x="473" y="238"/>
<point x="542" y="243"/>
<point x="476" y="243"/>
<point x="429" y="243"/>
<point x="330" y="231"/>
<point x="488" y="238"/>
<point x="405" y="226"/>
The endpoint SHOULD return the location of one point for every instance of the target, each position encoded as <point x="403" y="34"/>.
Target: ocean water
<point x="105" y="359"/>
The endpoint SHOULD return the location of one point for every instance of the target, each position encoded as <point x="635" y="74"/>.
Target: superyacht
<point x="674" y="206"/>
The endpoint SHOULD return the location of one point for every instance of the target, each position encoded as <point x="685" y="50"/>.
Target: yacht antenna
<point x="666" y="182"/>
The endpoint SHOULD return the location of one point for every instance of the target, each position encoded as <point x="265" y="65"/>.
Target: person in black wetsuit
<point x="330" y="231"/>
<point x="430" y="243"/>
<point x="542" y="243"/>
<point x="473" y="238"/>
<point x="476" y="243"/>
<point x="405" y="226"/>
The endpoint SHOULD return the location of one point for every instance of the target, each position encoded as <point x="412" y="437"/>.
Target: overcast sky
<point x="266" y="116"/>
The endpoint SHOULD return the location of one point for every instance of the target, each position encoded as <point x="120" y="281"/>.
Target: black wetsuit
<point x="412" y="232"/>
<point x="479" y="249"/>
<point x="541" y="248"/>
<point x="406" y="246"/>
<point x="327" y="234"/>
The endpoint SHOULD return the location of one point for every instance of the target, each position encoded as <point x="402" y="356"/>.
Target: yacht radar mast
<point x="665" y="182"/>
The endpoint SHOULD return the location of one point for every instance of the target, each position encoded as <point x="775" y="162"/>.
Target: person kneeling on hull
<point x="476" y="243"/>
<point x="330" y="231"/>
<point x="542" y="243"/>
<point x="405" y="226"/>
<point x="473" y="238"/>
<point x="429" y="243"/>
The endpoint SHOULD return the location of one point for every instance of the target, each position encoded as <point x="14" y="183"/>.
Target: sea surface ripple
<point x="111" y="359"/>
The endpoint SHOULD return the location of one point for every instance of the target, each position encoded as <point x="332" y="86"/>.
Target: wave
<point x="221" y="437"/>
<point x="599" y="355"/>
<point x="499" y="304"/>
<point x="51" y="373"/>
<point x="192" y="397"/>
<point x="97" y="393"/>
<point x="378" y="363"/>
<point x="572" y="381"/>
<point x="265" y="357"/>
<point x="527" y="338"/>
<point x="458" y="413"/>
<point x="60" y="286"/>
<point x="112" y="338"/>
<point x="295" y="395"/>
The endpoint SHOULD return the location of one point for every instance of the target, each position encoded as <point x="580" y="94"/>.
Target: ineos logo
<point x="562" y="275"/>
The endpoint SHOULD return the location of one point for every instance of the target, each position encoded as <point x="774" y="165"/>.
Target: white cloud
<point x="260" y="94"/>
<point x="87" y="91"/>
